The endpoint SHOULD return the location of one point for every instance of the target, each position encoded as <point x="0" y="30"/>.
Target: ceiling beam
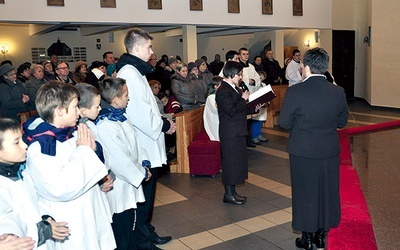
<point x="95" y="30"/>
<point x="235" y="31"/>
<point x="174" y="32"/>
<point x="41" y="29"/>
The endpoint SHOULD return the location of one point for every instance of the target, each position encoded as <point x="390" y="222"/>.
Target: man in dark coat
<point x="216" y="65"/>
<point x="273" y="69"/>
<point x="312" y="111"/>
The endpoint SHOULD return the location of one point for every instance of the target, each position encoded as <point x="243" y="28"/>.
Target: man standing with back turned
<point x="143" y="112"/>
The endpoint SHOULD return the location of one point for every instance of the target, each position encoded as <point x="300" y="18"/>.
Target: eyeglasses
<point x="63" y="68"/>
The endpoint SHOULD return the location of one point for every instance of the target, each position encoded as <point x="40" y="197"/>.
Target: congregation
<point x="105" y="159"/>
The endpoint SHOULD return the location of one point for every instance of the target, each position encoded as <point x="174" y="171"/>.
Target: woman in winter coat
<point x="183" y="88"/>
<point x="36" y="80"/>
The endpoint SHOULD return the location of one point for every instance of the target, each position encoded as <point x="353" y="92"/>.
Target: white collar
<point x="312" y="75"/>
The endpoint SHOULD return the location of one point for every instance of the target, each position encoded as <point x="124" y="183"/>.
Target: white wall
<point x="177" y="12"/>
<point x="385" y="73"/>
<point x="20" y="43"/>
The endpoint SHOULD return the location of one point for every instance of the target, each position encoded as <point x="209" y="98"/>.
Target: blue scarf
<point x="36" y="129"/>
<point x="111" y="114"/>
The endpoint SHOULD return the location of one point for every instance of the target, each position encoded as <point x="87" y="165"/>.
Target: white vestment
<point x="144" y="114"/>
<point x="125" y="155"/>
<point x="211" y="119"/>
<point x="68" y="191"/>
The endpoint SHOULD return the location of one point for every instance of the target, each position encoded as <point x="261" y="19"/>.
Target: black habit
<point x="232" y="114"/>
<point x="312" y="111"/>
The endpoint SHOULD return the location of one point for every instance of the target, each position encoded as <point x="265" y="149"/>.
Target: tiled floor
<point x="192" y="212"/>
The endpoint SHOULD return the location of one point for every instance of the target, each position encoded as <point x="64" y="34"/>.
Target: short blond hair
<point x="53" y="95"/>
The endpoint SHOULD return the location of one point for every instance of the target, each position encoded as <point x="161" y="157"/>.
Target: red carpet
<point x="355" y="229"/>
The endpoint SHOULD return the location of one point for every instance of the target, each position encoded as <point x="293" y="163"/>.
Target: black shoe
<point x="161" y="240"/>
<point x="230" y="196"/>
<point x="240" y="198"/>
<point x="305" y="242"/>
<point x="319" y="239"/>
<point x="251" y="145"/>
<point x="237" y="196"/>
<point x="233" y="199"/>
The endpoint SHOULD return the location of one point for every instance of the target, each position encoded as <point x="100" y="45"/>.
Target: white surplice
<point x="125" y="154"/>
<point x="68" y="191"/>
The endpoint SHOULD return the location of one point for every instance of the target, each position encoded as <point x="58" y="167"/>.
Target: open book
<point x="263" y="95"/>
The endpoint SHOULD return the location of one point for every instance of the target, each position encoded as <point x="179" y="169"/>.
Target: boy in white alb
<point x="66" y="168"/>
<point x="19" y="213"/>
<point x="126" y="157"/>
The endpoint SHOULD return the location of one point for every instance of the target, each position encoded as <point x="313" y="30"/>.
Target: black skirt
<point x="234" y="160"/>
<point x="315" y="193"/>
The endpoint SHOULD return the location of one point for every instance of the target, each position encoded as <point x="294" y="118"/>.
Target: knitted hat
<point x="171" y="60"/>
<point x="4" y="69"/>
<point x="191" y="65"/>
<point x="199" y="62"/>
<point x="79" y="64"/>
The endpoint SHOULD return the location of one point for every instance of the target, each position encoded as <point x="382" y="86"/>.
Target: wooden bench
<point x="188" y="124"/>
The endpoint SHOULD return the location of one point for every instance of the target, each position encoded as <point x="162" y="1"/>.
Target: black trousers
<point x="144" y="231"/>
<point x="123" y="228"/>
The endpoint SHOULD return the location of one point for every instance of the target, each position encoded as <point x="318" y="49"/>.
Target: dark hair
<point x="164" y="58"/>
<point x="87" y="93"/>
<point x="111" y="88"/>
<point x="243" y="49"/>
<point x="231" y="69"/>
<point x="52" y="95"/>
<point x="216" y="81"/>
<point x="256" y="58"/>
<point x="7" y="124"/>
<point x="295" y="51"/>
<point x="105" y="54"/>
<point x="230" y="54"/>
<point x="317" y="60"/>
<point x="97" y="64"/>
<point x="161" y="95"/>
<point x="135" y="36"/>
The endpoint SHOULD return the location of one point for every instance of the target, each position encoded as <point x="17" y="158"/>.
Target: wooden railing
<point x="188" y="124"/>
